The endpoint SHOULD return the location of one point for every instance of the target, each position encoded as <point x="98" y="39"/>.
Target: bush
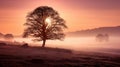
<point x="25" y="45"/>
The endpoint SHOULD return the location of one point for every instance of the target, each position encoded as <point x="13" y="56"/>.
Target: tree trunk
<point x="43" y="45"/>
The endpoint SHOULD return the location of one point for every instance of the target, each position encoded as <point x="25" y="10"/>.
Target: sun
<point x="48" y="21"/>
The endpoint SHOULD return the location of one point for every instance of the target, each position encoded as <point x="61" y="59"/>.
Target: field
<point x="19" y="56"/>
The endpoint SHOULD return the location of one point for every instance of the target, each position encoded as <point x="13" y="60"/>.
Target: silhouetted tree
<point x="102" y="37"/>
<point x="44" y="23"/>
<point x="106" y="37"/>
<point x="8" y="36"/>
<point x="1" y="35"/>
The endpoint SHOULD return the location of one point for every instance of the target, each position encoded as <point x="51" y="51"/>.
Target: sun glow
<point x="48" y="21"/>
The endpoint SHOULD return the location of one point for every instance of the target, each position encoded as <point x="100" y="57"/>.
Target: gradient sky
<point x="79" y="14"/>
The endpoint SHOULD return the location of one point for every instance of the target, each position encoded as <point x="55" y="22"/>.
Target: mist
<point x="77" y="43"/>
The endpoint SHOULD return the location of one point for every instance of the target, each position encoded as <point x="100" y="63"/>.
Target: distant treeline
<point x="6" y="36"/>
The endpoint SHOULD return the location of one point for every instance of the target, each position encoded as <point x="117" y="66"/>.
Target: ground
<point x="20" y="56"/>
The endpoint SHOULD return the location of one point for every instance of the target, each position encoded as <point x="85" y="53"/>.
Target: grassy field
<point x="18" y="56"/>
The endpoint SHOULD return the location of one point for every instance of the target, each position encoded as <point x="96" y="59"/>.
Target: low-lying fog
<point x="77" y="43"/>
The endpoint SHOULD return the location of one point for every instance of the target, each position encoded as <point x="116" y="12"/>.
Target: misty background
<point x="84" y="40"/>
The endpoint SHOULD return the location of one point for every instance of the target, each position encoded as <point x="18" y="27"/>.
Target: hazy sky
<point x="79" y="14"/>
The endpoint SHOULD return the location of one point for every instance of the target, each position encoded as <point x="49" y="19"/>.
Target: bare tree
<point x="44" y="23"/>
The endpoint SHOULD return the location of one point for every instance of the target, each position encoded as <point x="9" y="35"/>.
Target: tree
<point x="8" y="36"/>
<point x="44" y="23"/>
<point x="1" y="35"/>
<point x="102" y="37"/>
<point x="106" y="37"/>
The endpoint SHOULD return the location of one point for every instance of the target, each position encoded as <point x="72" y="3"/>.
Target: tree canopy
<point x="44" y="23"/>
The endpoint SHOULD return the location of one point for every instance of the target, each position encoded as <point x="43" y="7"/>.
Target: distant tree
<point x="8" y="36"/>
<point x="44" y="23"/>
<point x="106" y="37"/>
<point x="1" y="35"/>
<point x="102" y="37"/>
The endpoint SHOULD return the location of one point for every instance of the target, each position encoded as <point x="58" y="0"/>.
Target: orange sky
<point x="79" y="14"/>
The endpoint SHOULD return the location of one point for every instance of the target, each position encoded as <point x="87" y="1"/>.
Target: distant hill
<point x="112" y="31"/>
